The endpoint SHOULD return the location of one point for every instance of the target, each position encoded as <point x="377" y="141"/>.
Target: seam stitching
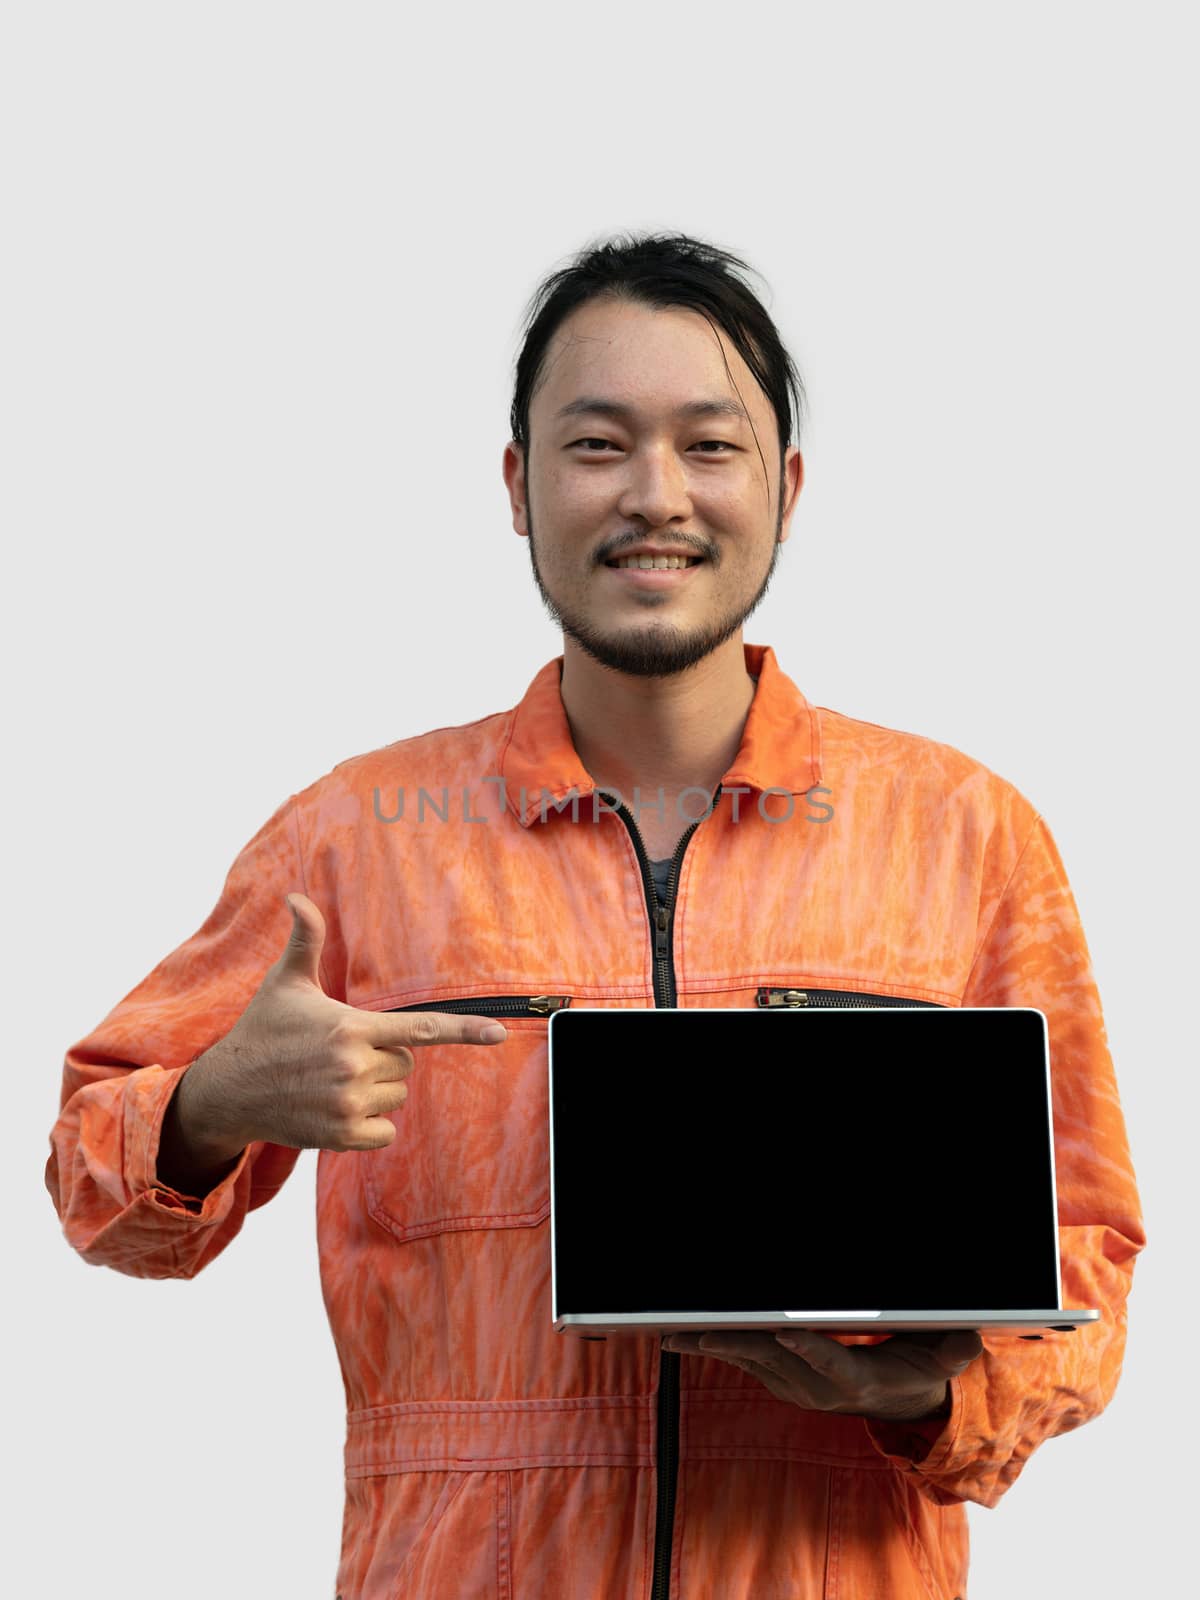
<point x="982" y="945"/>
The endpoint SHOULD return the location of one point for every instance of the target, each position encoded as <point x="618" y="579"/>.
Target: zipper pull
<point x="662" y="918"/>
<point x="782" y="997"/>
<point x="543" y="1003"/>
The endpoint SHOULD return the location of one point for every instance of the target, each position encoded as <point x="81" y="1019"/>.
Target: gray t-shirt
<point x="661" y="871"/>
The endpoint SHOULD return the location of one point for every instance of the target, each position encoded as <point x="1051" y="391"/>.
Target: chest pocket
<point x="472" y="1145"/>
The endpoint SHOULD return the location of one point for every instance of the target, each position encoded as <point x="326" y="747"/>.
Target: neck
<point x="669" y="733"/>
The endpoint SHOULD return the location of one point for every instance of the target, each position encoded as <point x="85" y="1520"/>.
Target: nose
<point x="656" y="488"/>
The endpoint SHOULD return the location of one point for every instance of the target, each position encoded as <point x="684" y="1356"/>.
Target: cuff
<point x="145" y="1111"/>
<point x="927" y="1442"/>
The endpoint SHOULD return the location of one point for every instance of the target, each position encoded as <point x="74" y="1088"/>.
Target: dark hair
<point x="661" y="270"/>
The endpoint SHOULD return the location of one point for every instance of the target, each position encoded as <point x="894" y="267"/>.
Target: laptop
<point x="847" y="1170"/>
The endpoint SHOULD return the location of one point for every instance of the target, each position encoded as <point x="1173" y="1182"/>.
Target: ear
<point x="514" y="479"/>
<point x="793" y="482"/>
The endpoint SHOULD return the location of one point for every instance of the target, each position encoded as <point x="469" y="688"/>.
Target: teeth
<point x="654" y="563"/>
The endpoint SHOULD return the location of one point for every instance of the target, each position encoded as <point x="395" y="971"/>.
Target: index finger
<point x="391" y="1028"/>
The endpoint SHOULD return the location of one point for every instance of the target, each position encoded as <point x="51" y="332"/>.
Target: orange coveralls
<point x="487" y="1456"/>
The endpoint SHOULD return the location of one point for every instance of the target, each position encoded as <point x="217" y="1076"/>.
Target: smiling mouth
<point x="654" y="563"/>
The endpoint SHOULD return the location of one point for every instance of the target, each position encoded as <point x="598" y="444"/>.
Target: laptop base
<point x="1029" y="1323"/>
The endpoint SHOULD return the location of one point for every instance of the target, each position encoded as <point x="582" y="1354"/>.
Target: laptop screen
<point x="738" y="1160"/>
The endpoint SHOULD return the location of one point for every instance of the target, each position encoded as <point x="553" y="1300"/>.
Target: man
<point x="628" y="835"/>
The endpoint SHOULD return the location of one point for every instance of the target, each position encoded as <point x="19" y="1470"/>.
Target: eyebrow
<point x="591" y="405"/>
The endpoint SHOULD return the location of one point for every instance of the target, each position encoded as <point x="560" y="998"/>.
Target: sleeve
<point x="117" y="1081"/>
<point x="1016" y="1394"/>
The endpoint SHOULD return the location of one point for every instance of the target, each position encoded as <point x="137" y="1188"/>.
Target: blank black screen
<point x="801" y="1160"/>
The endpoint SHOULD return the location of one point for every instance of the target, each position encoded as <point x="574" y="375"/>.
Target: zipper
<point x="495" y="1005"/>
<point x="668" y="1470"/>
<point x="845" y="999"/>
<point x="661" y="916"/>
<point x="665" y="994"/>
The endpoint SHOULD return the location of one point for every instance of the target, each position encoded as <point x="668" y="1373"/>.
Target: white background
<point x="265" y="268"/>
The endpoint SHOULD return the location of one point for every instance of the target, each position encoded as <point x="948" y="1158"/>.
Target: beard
<point x="660" y="649"/>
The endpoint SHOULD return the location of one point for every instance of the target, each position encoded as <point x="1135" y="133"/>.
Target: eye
<point x="606" y="444"/>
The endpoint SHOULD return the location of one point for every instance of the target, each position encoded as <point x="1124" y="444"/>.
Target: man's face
<point x="602" y="485"/>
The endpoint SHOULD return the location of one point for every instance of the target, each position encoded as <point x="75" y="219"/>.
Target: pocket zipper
<point x="844" y="999"/>
<point x="495" y="1005"/>
<point x="540" y="1005"/>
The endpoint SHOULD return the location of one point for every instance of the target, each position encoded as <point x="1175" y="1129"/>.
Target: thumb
<point x="301" y="956"/>
<point x="961" y="1348"/>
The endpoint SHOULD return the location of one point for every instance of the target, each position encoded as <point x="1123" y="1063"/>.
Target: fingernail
<point x="788" y="1339"/>
<point x="493" y="1033"/>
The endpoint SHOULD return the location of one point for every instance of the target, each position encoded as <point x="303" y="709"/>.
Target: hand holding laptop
<point x="901" y="1380"/>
